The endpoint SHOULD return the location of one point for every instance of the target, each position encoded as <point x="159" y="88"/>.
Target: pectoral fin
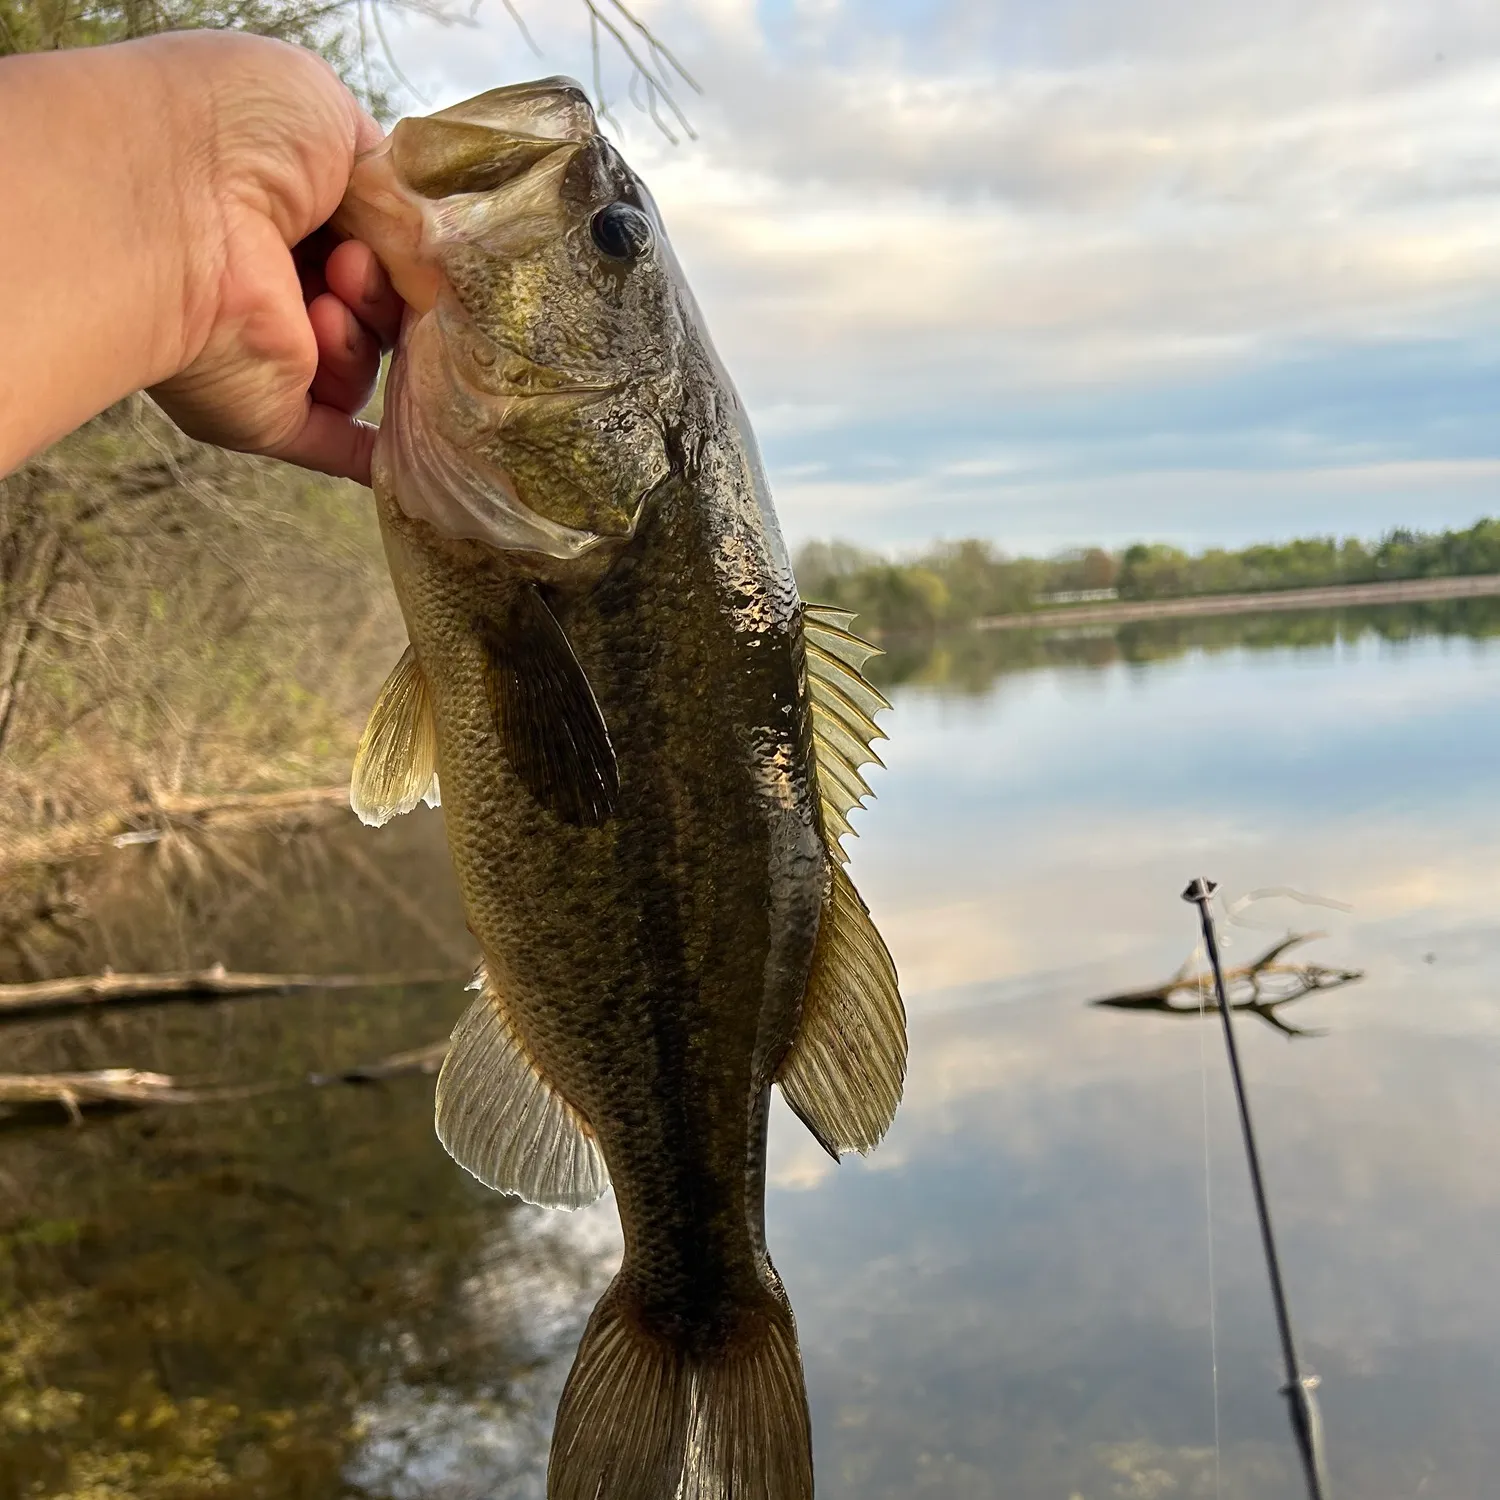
<point x="395" y="766"/>
<point x="504" y="1122"/>
<point x="844" y="706"/>
<point x="844" y="1071"/>
<point x="546" y="715"/>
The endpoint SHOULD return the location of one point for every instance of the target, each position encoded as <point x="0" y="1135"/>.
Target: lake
<point x="1046" y="1283"/>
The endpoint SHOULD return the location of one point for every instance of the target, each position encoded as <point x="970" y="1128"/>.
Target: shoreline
<point x="1399" y="591"/>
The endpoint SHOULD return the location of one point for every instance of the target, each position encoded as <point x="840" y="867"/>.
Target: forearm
<point x="105" y="242"/>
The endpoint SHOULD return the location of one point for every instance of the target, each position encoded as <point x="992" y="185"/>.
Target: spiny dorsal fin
<point x="501" y="1120"/>
<point x="546" y="714"/>
<point x="395" y="766"/>
<point x="844" y="1072"/>
<point x="844" y="706"/>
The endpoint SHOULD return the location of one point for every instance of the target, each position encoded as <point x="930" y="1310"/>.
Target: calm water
<point x="299" y="1295"/>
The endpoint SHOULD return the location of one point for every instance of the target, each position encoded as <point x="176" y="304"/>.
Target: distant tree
<point x="1153" y="570"/>
<point x="1097" y="569"/>
<point x="823" y="567"/>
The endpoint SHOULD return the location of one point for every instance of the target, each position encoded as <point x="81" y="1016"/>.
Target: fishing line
<point x="1208" y="1212"/>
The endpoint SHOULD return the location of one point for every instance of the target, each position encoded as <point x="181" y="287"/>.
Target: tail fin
<point x="642" y="1420"/>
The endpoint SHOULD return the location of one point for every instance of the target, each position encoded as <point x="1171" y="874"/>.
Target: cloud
<point x="1207" y="242"/>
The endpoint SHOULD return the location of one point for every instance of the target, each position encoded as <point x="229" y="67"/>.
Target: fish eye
<point x="621" y="231"/>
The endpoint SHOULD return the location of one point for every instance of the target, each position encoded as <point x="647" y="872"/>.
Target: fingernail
<point x="353" y="334"/>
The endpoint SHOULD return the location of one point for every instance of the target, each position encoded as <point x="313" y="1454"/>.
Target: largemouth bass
<point x="646" y="749"/>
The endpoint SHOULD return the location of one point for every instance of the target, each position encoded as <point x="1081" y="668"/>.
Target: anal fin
<point x="845" y="1069"/>
<point x="503" y="1121"/>
<point x="546" y="715"/>
<point x="395" y="766"/>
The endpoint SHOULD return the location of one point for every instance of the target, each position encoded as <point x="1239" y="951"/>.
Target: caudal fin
<point x="642" y="1420"/>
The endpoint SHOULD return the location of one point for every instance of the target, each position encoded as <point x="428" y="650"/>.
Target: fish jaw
<point x="395" y="194"/>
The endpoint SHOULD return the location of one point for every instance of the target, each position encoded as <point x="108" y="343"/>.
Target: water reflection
<point x="970" y="661"/>
<point x="1261" y="988"/>
<point x="300" y="1296"/>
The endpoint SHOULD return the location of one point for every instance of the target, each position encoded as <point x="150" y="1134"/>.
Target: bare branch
<point x="652" y="72"/>
<point x="521" y="26"/>
<point x="390" y="56"/>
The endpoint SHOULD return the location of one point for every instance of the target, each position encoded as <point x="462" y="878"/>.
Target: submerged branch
<point x="108" y="987"/>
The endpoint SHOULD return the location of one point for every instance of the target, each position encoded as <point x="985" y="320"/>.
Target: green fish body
<point x="645" y="747"/>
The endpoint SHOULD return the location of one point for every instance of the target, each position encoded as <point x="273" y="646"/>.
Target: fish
<point x="646" y="748"/>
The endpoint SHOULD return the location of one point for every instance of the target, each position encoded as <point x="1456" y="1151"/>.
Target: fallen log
<point x="112" y="1089"/>
<point x="108" y="987"/>
<point x="108" y="1088"/>
<point x="150" y="822"/>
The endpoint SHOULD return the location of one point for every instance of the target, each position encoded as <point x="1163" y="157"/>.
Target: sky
<point x="1062" y="272"/>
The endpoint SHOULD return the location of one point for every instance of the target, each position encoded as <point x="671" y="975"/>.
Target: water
<point x="298" y="1295"/>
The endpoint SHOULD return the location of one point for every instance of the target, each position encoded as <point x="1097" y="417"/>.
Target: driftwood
<point x="109" y="1088"/>
<point x="114" y="1089"/>
<point x="1260" y="987"/>
<point x="108" y="987"/>
<point x="151" y="822"/>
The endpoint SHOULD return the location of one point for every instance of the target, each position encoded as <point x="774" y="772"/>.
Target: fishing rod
<point x="1307" y="1423"/>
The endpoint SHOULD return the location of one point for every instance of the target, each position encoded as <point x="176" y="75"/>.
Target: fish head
<point x="539" y="368"/>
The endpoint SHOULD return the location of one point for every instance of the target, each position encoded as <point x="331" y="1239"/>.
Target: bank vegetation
<point x="956" y="583"/>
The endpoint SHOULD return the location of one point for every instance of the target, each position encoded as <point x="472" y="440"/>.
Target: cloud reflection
<point x="1012" y="1297"/>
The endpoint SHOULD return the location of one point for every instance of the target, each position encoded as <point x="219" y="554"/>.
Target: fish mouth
<point x="549" y="109"/>
<point x="441" y="177"/>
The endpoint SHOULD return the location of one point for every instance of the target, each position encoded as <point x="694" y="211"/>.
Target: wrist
<point x="93" y="265"/>
<point x="190" y="237"/>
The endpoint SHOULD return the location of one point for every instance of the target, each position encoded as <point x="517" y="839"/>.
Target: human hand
<point x="282" y="326"/>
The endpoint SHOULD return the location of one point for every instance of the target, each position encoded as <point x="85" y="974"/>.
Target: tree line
<point x="956" y="583"/>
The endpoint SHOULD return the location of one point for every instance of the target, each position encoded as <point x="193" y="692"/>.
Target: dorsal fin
<point x="395" y="766"/>
<point x="844" y="706"/>
<point x="844" y="1072"/>
<point x="503" y="1121"/>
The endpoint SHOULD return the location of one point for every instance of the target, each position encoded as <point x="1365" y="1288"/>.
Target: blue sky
<point x="1074" y="271"/>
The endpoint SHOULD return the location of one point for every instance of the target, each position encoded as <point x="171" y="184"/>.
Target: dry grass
<point x="179" y="621"/>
